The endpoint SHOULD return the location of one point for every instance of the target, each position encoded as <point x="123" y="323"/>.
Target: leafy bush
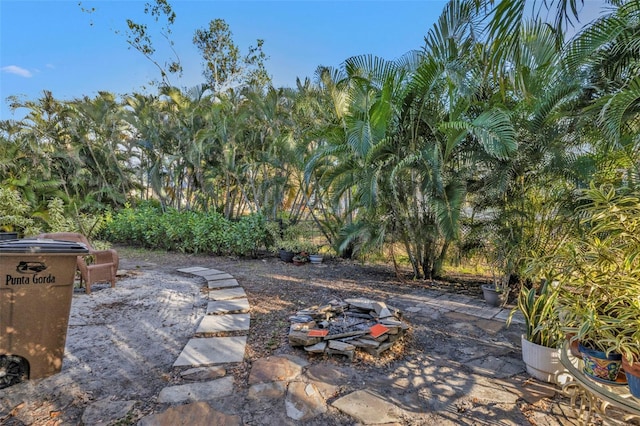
<point x="15" y="214"/>
<point x="188" y="231"/>
<point x="58" y="221"/>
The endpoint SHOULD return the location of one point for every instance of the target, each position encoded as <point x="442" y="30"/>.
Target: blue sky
<point x="54" y="45"/>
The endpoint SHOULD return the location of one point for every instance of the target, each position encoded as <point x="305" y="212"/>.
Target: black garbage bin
<point x="36" y="287"/>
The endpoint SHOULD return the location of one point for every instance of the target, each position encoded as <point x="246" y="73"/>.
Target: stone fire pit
<point x="341" y="327"/>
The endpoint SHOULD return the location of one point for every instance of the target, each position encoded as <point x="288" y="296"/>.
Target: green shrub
<point x="211" y="234"/>
<point x="15" y="214"/>
<point x="189" y="232"/>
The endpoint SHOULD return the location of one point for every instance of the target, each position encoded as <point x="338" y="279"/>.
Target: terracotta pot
<point x="573" y="345"/>
<point x="599" y="366"/>
<point x="633" y="376"/>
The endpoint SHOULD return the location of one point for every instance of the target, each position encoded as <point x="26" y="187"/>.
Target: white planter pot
<point x="543" y="363"/>
<point x="316" y="258"/>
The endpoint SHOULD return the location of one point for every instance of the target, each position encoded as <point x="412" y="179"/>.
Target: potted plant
<point x="291" y="242"/>
<point x="543" y="336"/>
<point x="496" y="293"/>
<point x="599" y="276"/>
<point x="616" y="222"/>
<point x="300" y="259"/>
<point x="286" y="250"/>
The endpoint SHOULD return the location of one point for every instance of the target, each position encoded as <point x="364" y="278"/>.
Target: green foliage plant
<point x="296" y="238"/>
<point x="301" y="258"/>
<point x="599" y="273"/>
<point x="188" y="231"/>
<point x="59" y="221"/>
<point x="538" y="306"/>
<point x="15" y="214"/>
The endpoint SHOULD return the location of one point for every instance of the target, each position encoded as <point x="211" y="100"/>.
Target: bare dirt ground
<point x="121" y="344"/>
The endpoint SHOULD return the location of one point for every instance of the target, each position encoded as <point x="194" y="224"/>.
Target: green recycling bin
<point x="36" y="288"/>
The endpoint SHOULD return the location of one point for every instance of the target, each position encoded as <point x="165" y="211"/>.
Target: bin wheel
<point x="13" y="370"/>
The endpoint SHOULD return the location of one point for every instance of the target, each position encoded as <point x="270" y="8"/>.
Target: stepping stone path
<point x="227" y="312"/>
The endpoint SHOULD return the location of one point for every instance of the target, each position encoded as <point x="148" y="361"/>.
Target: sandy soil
<point x="120" y="344"/>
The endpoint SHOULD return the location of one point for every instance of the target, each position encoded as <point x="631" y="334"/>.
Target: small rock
<point x="304" y="402"/>
<point x="348" y="354"/>
<point x="317" y="348"/>
<point x="361" y="303"/>
<point x="300" y="318"/>
<point x="381" y="310"/>
<point x="301" y="338"/>
<point x="203" y="373"/>
<point x="340" y="346"/>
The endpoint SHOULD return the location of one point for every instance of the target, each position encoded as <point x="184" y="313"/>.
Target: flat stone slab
<point x="368" y="408"/>
<point x="227" y="294"/>
<point x="267" y="391"/>
<point x="200" y="374"/>
<point x="492" y="366"/>
<point x="229" y="282"/>
<point x="106" y="411"/>
<point x="218" y="276"/>
<point x="196" y="413"/>
<point x="483" y="311"/>
<point x="218" y="323"/>
<point x="207" y="271"/>
<point x="276" y="369"/>
<point x="518" y="318"/>
<point x="200" y="352"/>
<point x="304" y="401"/>
<point x="233" y="306"/>
<point x="192" y="269"/>
<point x="194" y="392"/>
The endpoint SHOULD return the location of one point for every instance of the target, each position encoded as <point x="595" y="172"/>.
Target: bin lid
<point x="35" y="245"/>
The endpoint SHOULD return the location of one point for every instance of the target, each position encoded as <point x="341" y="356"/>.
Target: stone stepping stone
<point x="218" y="277"/>
<point x="227" y="294"/>
<point x="218" y="323"/>
<point x="200" y="352"/>
<point x="233" y="306"/>
<point x="194" y="392"/>
<point x="107" y="411"/>
<point x="304" y="402"/>
<point x="193" y="269"/>
<point x="285" y="368"/>
<point x="207" y="271"/>
<point x="483" y="311"/>
<point x="368" y="408"/>
<point x="518" y="318"/>
<point x="195" y="413"/>
<point x="215" y="284"/>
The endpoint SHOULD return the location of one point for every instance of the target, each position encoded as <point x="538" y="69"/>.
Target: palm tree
<point x="406" y="135"/>
<point x="101" y="134"/>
